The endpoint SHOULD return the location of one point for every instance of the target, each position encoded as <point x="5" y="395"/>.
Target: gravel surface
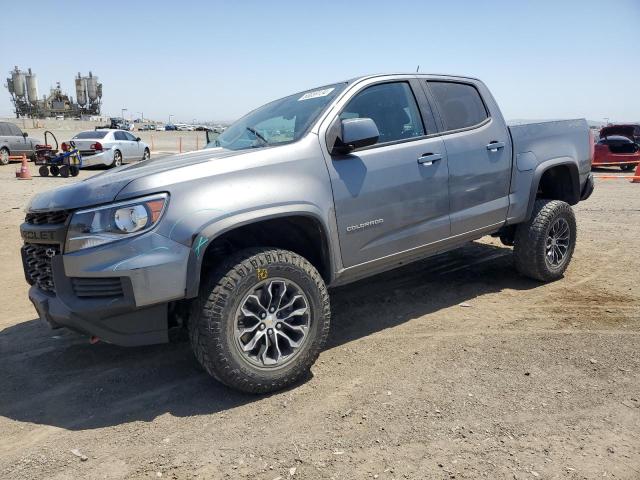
<point x="454" y="367"/>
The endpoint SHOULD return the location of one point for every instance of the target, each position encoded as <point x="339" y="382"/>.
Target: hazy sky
<point x="216" y="60"/>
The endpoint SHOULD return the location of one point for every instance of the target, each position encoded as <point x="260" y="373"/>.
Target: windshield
<point x="91" y="134"/>
<point x="282" y="121"/>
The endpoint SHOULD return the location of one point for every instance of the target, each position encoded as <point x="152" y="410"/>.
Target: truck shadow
<point x="57" y="378"/>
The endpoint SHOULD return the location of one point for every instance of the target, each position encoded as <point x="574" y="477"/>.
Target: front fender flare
<point x="209" y="232"/>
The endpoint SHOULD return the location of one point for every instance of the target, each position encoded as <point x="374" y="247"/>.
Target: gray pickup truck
<point x="238" y="242"/>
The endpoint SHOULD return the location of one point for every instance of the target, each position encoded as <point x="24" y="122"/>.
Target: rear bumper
<point x="105" y="158"/>
<point x="608" y="157"/>
<point x="588" y="187"/>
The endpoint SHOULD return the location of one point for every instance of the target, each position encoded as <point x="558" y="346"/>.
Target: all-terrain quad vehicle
<point x="51" y="161"/>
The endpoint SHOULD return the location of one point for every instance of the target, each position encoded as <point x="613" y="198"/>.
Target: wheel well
<point x="300" y="234"/>
<point x="560" y="183"/>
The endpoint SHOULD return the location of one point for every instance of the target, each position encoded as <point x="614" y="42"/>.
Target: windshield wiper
<point x="258" y="135"/>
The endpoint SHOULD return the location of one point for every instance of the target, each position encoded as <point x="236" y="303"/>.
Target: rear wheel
<point x="544" y="245"/>
<point x="43" y="171"/>
<point x="146" y="155"/>
<point x="55" y="170"/>
<point x="261" y="320"/>
<point x="64" y="171"/>
<point x="74" y="171"/>
<point x="117" y="159"/>
<point x="4" y="156"/>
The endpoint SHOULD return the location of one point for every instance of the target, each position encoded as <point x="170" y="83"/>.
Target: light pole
<point x="122" y="112"/>
<point x="170" y="119"/>
<point x="141" y="117"/>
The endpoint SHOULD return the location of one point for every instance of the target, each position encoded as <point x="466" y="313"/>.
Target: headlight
<point x="97" y="226"/>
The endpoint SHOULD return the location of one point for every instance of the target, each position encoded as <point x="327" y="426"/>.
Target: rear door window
<point x="459" y="104"/>
<point x="4" y="129"/>
<point x="129" y="137"/>
<point x="392" y="107"/>
<point x="120" y="136"/>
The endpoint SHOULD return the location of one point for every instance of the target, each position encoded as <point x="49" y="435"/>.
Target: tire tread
<point x="206" y="321"/>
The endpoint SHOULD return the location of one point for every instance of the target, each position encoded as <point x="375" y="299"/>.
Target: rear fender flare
<point x="545" y="166"/>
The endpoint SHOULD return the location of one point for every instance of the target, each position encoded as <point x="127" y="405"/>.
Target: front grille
<point x="47" y="218"/>
<point x="97" y="287"/>
<point x="37" y="264"/>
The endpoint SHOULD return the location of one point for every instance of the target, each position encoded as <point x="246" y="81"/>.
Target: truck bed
<point x="546" y="142"/>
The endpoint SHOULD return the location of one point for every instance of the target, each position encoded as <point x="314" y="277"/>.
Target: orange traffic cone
<point x="24" y="174"/>
<point x="636" y="176"/>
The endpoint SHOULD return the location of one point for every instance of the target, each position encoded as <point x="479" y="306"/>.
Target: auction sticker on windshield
<point x="316" y="94"/>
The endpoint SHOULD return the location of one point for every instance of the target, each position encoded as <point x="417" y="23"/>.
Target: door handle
<point x="494" y="146"/>
<point x="429" y="158"/>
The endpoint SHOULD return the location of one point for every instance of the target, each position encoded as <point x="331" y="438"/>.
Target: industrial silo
<point x="92" y="87"/>
<point x="32" y="87"/>
<point x="81" y="95"/>
<point x="17" y="77"/>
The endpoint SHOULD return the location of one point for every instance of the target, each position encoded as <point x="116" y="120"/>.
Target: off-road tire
<point x="43" y="171"/>
<point x="4" y="156"/>
<point x="530" y="240"/>
<point x="213" y="313"/>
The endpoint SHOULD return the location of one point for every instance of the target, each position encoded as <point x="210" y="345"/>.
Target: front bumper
<point x="117" y="324"/>
<point x="150" y="270"/>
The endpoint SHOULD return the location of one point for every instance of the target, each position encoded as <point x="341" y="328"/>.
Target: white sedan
<point x="110" y="148"/>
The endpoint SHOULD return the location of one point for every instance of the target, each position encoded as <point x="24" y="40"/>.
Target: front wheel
<point x="544" y="245"/>
<point x="261" y="320"/>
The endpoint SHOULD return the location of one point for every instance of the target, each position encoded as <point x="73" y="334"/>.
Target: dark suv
<point x="14" y="141"/>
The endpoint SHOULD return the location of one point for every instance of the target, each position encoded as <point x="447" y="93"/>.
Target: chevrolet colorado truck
<point x="239" y="242"/>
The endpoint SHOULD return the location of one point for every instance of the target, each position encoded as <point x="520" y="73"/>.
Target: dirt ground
<point x="454" y="367"/>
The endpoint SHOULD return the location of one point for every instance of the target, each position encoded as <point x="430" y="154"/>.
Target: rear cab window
<point x="460" y="104"/>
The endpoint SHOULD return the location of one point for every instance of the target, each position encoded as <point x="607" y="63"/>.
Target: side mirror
<point x="138" y="139"/>
<point x="355" y="133"/>
<point x="25" y="134"/>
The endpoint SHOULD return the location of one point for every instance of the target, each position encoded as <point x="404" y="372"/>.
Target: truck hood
<point x="104" y="187"/>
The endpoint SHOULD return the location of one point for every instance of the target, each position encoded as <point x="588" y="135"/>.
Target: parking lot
<point x="454" y="367"/>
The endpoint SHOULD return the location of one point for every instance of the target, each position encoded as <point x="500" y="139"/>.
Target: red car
<point x="617" y="144"/>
